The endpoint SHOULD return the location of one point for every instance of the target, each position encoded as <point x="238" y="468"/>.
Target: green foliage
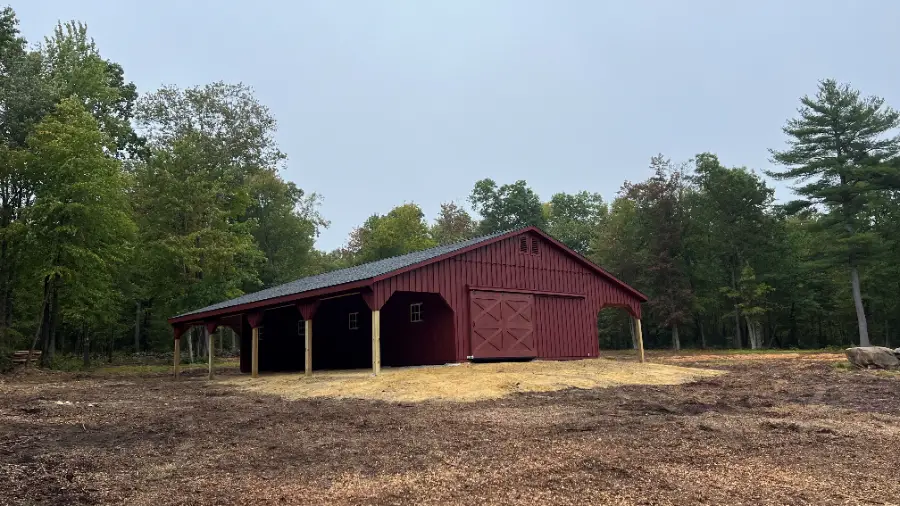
<point x="506" y="207"/>
<point x="750" y="295"/>
<point x="659" y="214"/>
<point x="288" y="222"/>
<point x="574" y="218"/>
<point x="208" y="182"/>
<point x="73" y="67"/>
<point x="843" y="148"/>
<point x="402" y="230"/>
<point x="452" y="225"/>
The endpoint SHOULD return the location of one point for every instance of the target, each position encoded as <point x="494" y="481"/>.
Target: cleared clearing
<point x="469" y="382"/>
<point x="769" y="432"/>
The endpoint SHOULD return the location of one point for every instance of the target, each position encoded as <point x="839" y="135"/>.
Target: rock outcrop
<point x="877" y="357"/>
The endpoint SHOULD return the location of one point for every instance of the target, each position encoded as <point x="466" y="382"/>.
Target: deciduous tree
<point x="453" y="224"/>
<point x="506" y="207"/>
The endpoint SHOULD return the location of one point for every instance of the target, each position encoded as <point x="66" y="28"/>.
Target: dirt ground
<point x="778" y="431"/>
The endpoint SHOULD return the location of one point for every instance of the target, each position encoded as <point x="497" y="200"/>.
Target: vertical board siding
<point x="565" y="327"/>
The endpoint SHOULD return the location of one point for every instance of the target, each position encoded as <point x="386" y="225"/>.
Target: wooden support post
<point x="308" y="346"/>
<point x="210" y="346"/>
<point x="376" y="342"/>
<point x="177" y="364"/>
<point x="254" y="357"/>
<point x="640" y="339"/>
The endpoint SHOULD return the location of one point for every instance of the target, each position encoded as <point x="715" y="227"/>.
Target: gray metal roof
<point x="348" y="275"/>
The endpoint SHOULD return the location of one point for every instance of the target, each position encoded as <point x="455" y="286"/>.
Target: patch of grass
<point x="470" y="382"/>
<point x="744" y="351"/>
<point x="848" y="367"/>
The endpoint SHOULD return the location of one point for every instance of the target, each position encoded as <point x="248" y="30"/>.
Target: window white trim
<point x="415" y="312"/>
<point x="353" y="321"/>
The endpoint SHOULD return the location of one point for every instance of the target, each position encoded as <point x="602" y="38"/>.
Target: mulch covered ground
<point x="779" y="431"/>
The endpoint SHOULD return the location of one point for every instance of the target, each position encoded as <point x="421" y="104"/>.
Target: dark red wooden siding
<point x="502" y="265"/>
<point x="566" y="328"/>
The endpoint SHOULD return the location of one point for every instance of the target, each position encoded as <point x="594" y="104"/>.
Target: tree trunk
<point x="633" y="336"/>
<point x="234" y="345"/>
<point x="819" y="331"/>
<point x="794" y="340"/>
<point x="738" y="338"/>
<point x="85" y="347"/>
<point x="860" y="310"/>
<point x="676" y="341"/>
<point x="86" y="352"/>
<point x="5" y="286"/>
<point x="221" y="334"/>
<point x="42" y="320"/>
<point x="887" y="333"/>
<point x="137" y="327"/>
<point x="702" y="333"/>
<point x="54" y="321"/>
<point x="190" y="345"/>
<point x="754" y="334"/>
<point x="110" y="345"/>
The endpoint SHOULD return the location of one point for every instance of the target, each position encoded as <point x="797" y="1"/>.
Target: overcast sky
<point x="385" y="102"/>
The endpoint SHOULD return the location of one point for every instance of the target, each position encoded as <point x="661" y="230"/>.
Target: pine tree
<point x="839" y="148"/>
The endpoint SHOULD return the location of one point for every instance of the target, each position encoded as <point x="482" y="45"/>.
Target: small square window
<point x="415" y="312"/>
<point x="353" y="322"/>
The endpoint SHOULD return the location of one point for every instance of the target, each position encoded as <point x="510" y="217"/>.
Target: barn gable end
<point x="567" y="293"/>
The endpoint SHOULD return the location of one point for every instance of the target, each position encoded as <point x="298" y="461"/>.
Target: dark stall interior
<point x="342" y="341"/>
<point x="428" y="341"/>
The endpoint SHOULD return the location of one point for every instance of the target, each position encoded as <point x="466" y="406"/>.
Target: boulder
<point x="878" y="357"/>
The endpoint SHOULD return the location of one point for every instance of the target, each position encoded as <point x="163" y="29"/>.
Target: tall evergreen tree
<point x="839" y="146"/>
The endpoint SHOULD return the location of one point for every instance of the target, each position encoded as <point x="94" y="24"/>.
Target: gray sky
<point x="385" y="102"/>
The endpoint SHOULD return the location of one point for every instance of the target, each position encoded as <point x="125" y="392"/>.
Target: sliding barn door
<point x="502" y="325"/>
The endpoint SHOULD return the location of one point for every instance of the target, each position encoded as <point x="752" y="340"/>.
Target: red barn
<point x="511" y="295"/>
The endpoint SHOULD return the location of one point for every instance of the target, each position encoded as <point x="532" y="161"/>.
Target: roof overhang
<point x="268" y="303"/>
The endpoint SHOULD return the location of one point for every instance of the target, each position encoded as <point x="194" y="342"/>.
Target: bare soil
<point x="779" y="431"/>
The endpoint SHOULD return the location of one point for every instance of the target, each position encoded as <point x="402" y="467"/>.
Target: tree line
<point x="119" y="209"/>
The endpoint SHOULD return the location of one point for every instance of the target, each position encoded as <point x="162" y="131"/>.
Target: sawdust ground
<point x="469" y="382"/>
<point x="770" y="432"/>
